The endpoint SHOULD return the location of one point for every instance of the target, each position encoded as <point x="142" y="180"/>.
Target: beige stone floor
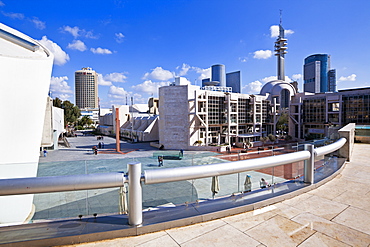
<point x="335" y="214"/>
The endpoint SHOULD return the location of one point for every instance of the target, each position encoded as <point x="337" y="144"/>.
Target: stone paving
<point x="335" y="214"/>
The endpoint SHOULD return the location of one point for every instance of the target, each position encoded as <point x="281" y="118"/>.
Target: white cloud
<point x="184" y="69"/>
<point x="39" y="24"/>
<point x="243" y="59"/>
<point x="60" y="88"/>
<point x="348" y="78"/>
<point x="204" y="73"/>
<point x="2" y="4"/>
<point x="19" y="16"/>
<point x="77" y="45"/>
<point x="253" y="87"/>
<point x="60" y="56"/>
<point x="274" y="29"/>
<point x="117" y="92"/>
<point x="116" y="77"/>
<point x="158" y="74"/>
<point x="273" y="78"/>
<point x="72" y="30"/>
<point x="103" y="82"/>
<point x="149" y="87"/>
<point x="76" y="32"/>
<point x="100" y="51"/>
<point x="119" y="37"/>
<point x="297" y="77"/>
<point x="262" y="54"/>
<point x="269" y="78"/>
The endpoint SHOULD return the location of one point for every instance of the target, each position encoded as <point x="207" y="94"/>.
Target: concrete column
<point x="135" y="200"/>
<point x="309" y="164"/>
<point x="347" y="132"/>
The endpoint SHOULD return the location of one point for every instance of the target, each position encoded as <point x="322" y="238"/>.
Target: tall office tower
<point x="233" y="81"/>
<point x="86" y="88"/>
<point x="316" y="74"/>
<point x="280" y="49"/>
<point x="332" y="80"/>
<point x="218" y="74"/>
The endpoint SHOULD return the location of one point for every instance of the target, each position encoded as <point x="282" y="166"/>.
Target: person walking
<point x="160" y="161"/>
<point x="45" y="152"/>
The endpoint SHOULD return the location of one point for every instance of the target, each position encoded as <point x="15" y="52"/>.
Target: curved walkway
<point x="335" y="214"/>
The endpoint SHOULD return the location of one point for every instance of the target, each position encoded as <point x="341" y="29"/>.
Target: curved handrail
<point x="331" y="147"/>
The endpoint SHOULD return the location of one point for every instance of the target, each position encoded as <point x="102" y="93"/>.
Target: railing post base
<point x="309" y="164"/>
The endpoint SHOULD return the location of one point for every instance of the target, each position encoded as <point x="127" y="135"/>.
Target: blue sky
<point x="138" y="45"/>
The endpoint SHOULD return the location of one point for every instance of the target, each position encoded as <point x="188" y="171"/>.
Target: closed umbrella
<point x="247" y="183"/>
<point x="123" y="200"/>
<point x="215" y="188"/>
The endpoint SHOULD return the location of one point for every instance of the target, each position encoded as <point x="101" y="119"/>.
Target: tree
<point x="271" y="137"/>
<point x="71" y="112"/>
<point x="85" y="121"/>
<point x="57" y="102"/>
<point x="283" y="122"/>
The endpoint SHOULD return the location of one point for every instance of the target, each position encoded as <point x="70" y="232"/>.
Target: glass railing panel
<point x="327" y="165"/>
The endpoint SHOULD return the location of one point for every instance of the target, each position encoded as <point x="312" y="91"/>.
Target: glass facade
<point x="356" y="109"/>
<point x="317" y="77"/>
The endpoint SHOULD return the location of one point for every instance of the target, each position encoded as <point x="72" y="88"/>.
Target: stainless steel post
<point x="135" y="200"/>
<point x="309" y="164"/>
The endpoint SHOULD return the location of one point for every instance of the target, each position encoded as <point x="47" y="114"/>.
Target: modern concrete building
<point x="26" y="67"/>
<point x="319" y="115"/>
<point x="318" y="77"/>
<point x="136" y="121"/>
<point x="86" y="89"/>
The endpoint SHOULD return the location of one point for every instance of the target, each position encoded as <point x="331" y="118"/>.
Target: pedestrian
<point x="99" y="145"/>
<point x="45" y="152"/>
<point x="263" y="183"/>
<point x="247" y="184"/>
<point x="160" y="161"/>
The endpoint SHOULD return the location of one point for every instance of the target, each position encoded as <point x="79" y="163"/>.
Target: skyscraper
<point x="86" y="88"/>
<point x="233" y="81"/>
<point x="316" y="74"/>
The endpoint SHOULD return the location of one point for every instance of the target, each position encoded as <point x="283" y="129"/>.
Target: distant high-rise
<point x="86" y="88"/>
<point x="223" y="80"/>
<point x="218" y="74"/>
<point x="332" y="80"/>
<point x="318" y="78"/>
<point x="233" y="81"/>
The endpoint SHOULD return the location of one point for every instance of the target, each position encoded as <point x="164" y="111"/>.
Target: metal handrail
<point x="331" y="147"/>
<point x="19" y="186"/>
<point x="203" y="171"/>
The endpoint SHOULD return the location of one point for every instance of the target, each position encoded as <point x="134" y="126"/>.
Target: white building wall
<point x="24" y="84"/>
<point x="174" y="115"/>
